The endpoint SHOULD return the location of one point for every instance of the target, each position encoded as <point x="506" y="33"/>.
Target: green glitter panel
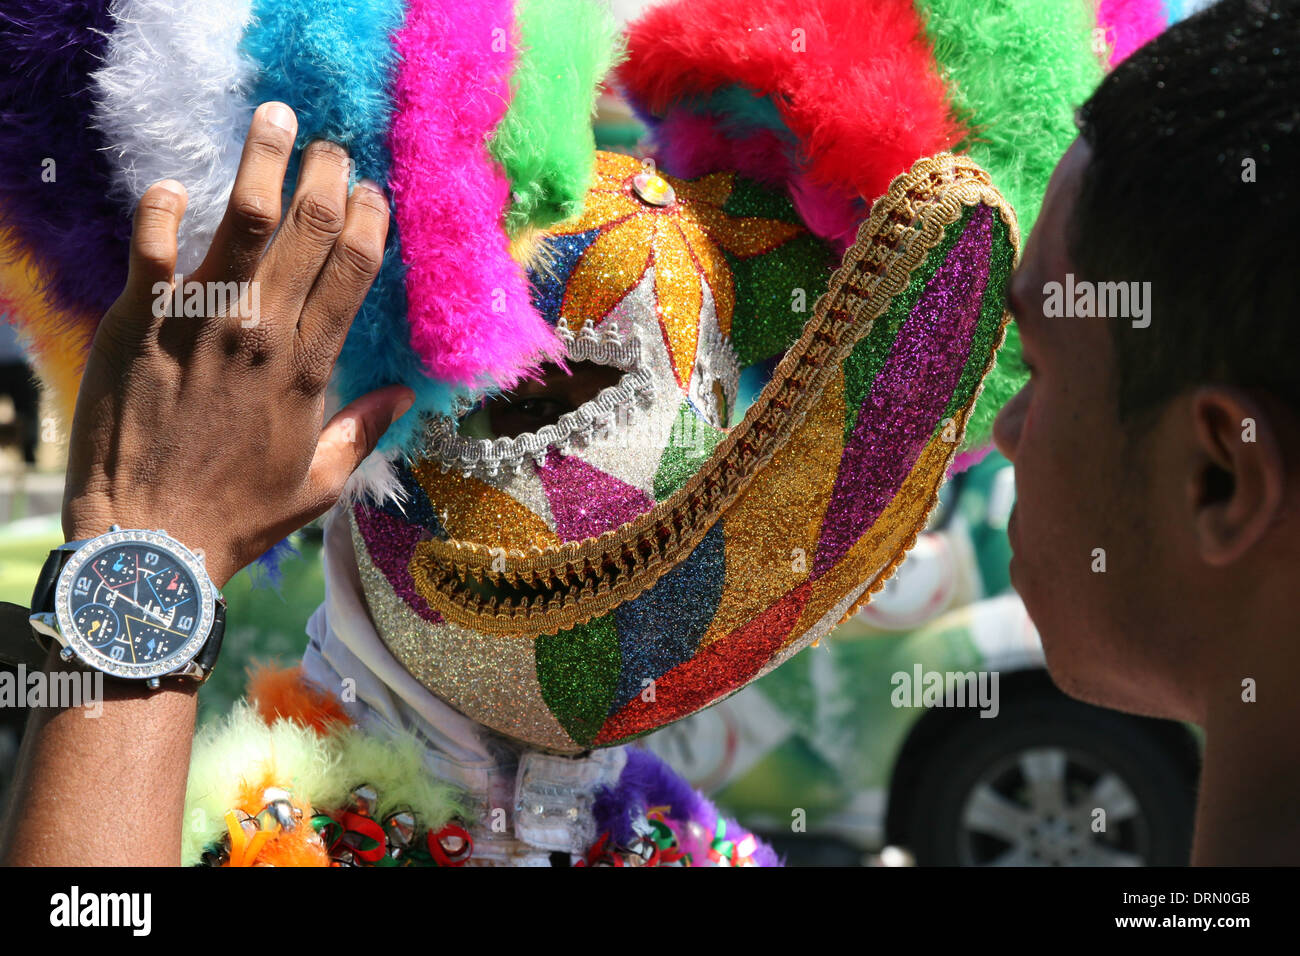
<point x="869" y="355"/>
<point x="690" y="443"/>
<point x="578" y="672"/>
<point x="752" y="199"/>
<point x="768" y="318"/>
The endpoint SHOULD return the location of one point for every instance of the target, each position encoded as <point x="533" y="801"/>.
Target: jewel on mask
<point x="653" y="189"/>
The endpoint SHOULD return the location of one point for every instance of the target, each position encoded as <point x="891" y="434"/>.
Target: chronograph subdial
<point x="117" y="568"/>
<point x="98" y="624"/>
<point x="171" y="588"/>
<point x="149" y="641"/>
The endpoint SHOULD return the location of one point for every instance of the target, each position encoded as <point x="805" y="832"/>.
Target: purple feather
<point x="647" y="782"/>
<point x="69" y="225"/>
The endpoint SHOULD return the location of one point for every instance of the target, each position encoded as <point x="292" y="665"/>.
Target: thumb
<point x="153" y="258"/>
<point x="351" y="435"/>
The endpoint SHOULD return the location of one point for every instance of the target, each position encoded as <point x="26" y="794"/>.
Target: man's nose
<point x="1006" y="427"/>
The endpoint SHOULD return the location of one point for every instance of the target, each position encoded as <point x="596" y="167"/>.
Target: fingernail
<point x="365" y="182"/>
<point x="172" y="186"/>
<point x="402" y="407"/>
<point x="280" y="116"/>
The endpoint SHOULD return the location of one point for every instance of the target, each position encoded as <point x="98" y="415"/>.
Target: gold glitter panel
<point x="779" y="516"/>
<point x="473" y="510"/>
<point x="609" y="269"/>
<point x="491" y="679"/>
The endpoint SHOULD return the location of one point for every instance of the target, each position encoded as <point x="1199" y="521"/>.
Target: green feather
<point x="1017" y="70"/>
<point x="545" y="142"/>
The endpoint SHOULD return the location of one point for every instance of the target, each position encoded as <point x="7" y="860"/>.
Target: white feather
<point x="374" y="481"/>
<point x="173" y="100"/>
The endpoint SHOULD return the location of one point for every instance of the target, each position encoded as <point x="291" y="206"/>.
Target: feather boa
<point x="235" y="759"/>
<point x="172" y="101"/>
<point x="647" y="784"/>
<point x="545" y="142"/>
<point x="471" y="317"/>
<point x="856" y="91"/>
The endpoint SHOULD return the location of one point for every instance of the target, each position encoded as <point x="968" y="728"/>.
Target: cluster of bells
<point x="654" y="843"/>
<point x="351" y="837"/>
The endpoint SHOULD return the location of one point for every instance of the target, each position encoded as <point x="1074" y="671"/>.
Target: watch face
<point x="134" y="604"/>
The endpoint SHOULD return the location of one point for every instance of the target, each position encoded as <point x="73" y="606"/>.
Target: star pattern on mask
<point x="683" y="241"/>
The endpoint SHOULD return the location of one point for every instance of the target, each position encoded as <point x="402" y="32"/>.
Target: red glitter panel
<point x="720" y="668"/>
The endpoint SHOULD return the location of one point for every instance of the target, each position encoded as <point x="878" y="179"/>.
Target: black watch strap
<point x="19" y="642"/>
<point x="48" y="580"/>
<point x="207" y="655"/>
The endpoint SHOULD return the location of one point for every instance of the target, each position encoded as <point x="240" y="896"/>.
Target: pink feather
<point x="471" y="318"/>
<point x="1129" y="24"/>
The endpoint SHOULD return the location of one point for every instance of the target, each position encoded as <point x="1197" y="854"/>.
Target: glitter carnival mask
<point x="586" y="584"/>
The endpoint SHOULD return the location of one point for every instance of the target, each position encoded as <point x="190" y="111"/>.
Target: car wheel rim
<point x="1039" y="807"/>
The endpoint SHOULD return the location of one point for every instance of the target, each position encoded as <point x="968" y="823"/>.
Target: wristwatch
<point x="135" y="605"/>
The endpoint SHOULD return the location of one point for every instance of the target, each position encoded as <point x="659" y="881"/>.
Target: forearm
<point x="106" y="789"/>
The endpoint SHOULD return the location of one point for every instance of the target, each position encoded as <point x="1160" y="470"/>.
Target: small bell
<point x="364" y="799"/>
<point x="400" y="828"/>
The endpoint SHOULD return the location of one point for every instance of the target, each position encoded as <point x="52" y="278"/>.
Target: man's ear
<point x="1238" y="481"/>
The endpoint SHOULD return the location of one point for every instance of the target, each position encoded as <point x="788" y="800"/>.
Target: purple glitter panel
<point x="390" y="544"/>
<point x="900" y="412"/>
<point x="585" y="501"/>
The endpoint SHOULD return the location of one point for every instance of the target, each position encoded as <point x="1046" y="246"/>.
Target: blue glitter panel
<point x="418" y="509"/>
<point x="548" y="285"/>
<point x="663" y="627"/>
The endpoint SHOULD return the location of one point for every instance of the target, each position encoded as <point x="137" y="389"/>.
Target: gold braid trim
<point x="585" y="579"/>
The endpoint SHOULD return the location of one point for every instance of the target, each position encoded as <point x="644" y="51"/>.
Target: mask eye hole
<point x="535" y="403"/>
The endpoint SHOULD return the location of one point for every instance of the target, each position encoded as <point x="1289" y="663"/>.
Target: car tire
<point x="1025" y="787"/>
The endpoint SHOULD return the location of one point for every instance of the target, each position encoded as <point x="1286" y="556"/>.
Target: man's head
<point x="1155" y="443"/>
